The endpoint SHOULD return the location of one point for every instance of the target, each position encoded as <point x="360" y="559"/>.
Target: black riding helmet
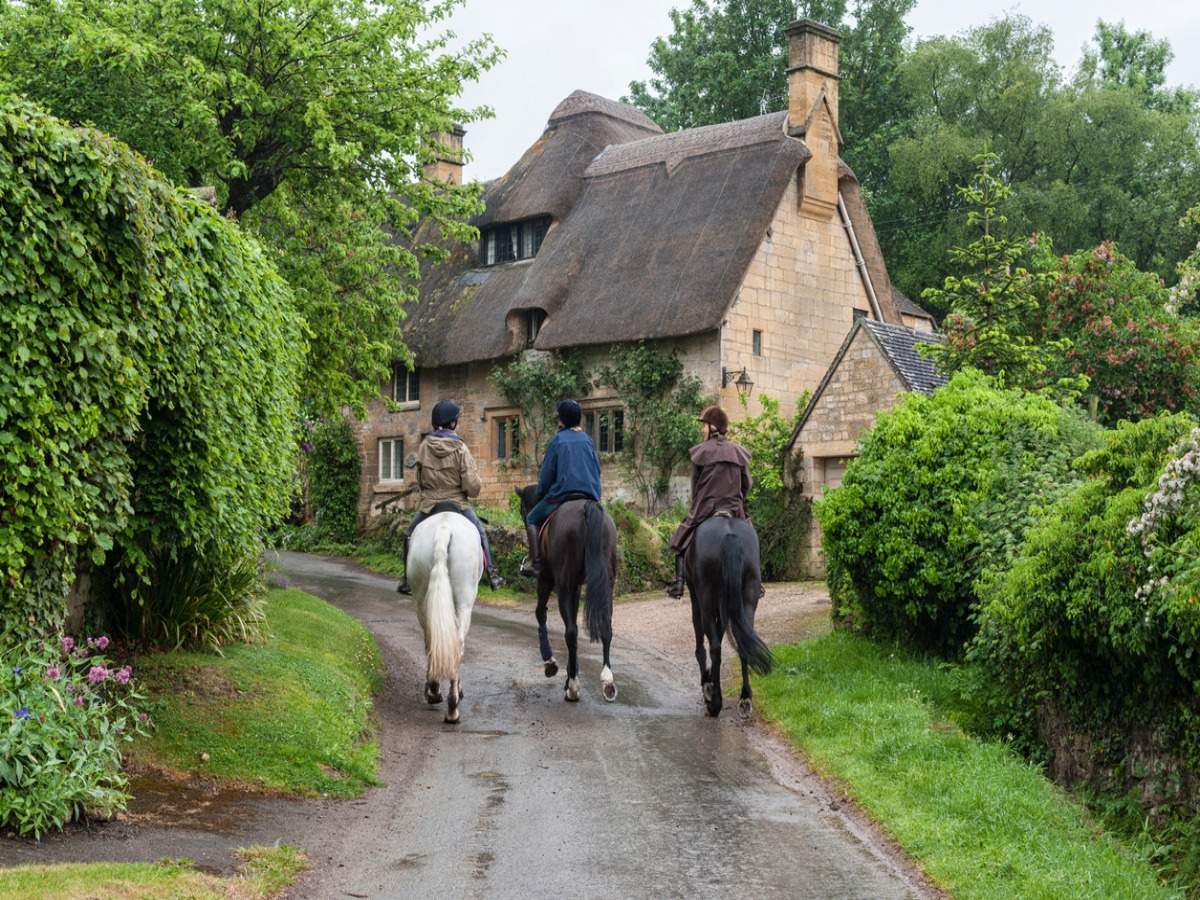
<point x="445" y="413"/>
<point x="569" y="413"/>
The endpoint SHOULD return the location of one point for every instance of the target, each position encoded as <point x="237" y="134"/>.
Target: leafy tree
<point x="1138" y="357"/>
<point x="1134" y="60"/>
<point x="727" y="60"/>
<point x="661" y="409"/>
<point x="312" y="119"/>
<point x="993" y="301"/>
<point x="534" y="383"/>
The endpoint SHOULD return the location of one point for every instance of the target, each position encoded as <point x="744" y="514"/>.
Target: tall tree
<point x="312" y="118"/>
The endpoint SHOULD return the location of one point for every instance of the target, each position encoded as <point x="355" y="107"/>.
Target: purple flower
<point x="102" y="642"/>
<point x="22" y="713"/>
<point x="91" y="642"/>
<point x="68" y="644"/>
<point x="79" y="701"/>
<point x="306" y="446"/>
<point x="122" y="674"/>
<point x="16" y="670"/>
<point x="97" y="674"/>
<point x="142" y="717"/>
<point x="53" y="671"/>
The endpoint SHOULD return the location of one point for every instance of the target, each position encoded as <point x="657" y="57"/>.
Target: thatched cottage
<point x="746" y="247"/>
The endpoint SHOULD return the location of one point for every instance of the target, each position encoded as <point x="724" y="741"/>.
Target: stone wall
<point x="482" y="405"/>
<point x="800" y="291"/>
<point x="862" y="385"/>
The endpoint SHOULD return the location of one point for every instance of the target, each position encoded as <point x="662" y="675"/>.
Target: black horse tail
<point x="733" y="607"/>
<point x="599" y="577"/>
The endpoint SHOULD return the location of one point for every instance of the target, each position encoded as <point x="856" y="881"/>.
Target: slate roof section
<point x="909" y="307"/>
<point x="899" y="344"/>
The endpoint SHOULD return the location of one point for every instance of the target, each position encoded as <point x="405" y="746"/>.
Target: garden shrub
<point x="334" y="473"/>
<point x="942" y="490"/>
<point x="65" y="710"/>
<point x="147" y="375"/>
<point x="1093" y="629"/>
<point x="641" y="562"/>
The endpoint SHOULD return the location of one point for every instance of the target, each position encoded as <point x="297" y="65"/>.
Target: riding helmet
<point x="715" y="418"/>
<point x="569" y="413"/>
<point x="445" y="413"/>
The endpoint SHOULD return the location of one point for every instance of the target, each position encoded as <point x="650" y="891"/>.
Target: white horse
<point x="444" y="563"/>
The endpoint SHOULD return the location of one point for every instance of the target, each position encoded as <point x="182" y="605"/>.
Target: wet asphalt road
<point x="532" y="796"/>
<point x="529" y="796"/>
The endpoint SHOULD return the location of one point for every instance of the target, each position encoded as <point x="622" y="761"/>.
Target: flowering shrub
<point x="942" y="490"/>
<point x="1099" y="616"/>
<point x="65" y="711"/>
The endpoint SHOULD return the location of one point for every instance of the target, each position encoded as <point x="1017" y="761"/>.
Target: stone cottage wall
<point x="482" y="404"/>
<point x="862" y="385"/>
<point x="800" y="291"/>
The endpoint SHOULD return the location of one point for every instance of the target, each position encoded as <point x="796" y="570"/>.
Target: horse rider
<point x="446" y="472"/>
<point x="720" y="482"/>
<point x="570" y="471"/>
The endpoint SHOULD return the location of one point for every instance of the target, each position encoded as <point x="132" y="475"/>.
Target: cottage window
<point x="533" y="325"/>
<point x="406" y="385"/>
<point x="606" y="427"/>
<point x="756" y="342"/>
<point x="391" y="459"/>
<point x="513" y="240"/>
<point x="508" y="437"/>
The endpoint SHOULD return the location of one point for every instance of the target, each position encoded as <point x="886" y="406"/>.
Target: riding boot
<point x="493" y="576"/>
<point x="532" y="566"/>
<point x="676" y="588"/>
<point x="402" y="587"/>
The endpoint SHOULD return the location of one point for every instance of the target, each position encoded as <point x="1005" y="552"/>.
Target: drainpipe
<point x="863" y="272"/>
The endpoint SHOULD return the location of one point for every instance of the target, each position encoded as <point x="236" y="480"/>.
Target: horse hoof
<point x="451" y="718"/>
<point x="433" y="699"/>
<point x="609" y="689"/>
<point x="551" y="667"/>
<point x="707" y="690"/>
<point x="745" y="707"/>
<point x="711" y="712"/>
<point x="572" y="692"/>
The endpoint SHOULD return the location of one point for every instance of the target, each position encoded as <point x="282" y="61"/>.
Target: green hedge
<point x="1093" y="631"/>
<point x="942" y="490"/>
<point x="334" y="473"/>
<point x="147" y="377"/>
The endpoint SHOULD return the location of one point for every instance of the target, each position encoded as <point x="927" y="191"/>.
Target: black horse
<point x="581" y="551"/>
<point x="723" y="580"/>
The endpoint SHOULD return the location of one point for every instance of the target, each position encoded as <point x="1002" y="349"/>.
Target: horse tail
<point x="597" y="573"/>
<point x="733" y="607"/>
<point x="441" y="629"/>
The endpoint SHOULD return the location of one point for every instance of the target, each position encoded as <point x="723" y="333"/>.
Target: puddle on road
<point x="176" y="803"/>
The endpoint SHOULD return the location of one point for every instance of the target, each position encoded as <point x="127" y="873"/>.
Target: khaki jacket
<point x="445" y="471"/>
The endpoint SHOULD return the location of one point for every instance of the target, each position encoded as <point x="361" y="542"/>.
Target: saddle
<point x="544" y="530"/>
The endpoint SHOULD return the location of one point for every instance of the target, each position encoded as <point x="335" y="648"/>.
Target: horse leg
<point x="712" y="690"/>
<point x="551" y="664"/>
<point x="608" y="687"/>
<point x="745" y="705"/>
<point x="568" y="606"/>
<point x="433" y="690"/>
<point x="701" y="653"/>
<point x="453" y="696"/>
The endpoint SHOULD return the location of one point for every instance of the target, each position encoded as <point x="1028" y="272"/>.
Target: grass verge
<point x="290" y="714"/>
<point x="265" y="873"/>
<point x="982" y="822"/>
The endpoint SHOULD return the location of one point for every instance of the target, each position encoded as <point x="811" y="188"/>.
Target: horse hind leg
<point x="433" y="692"/>
<point x="608" y="687"/>
<point x="745" y="704"/>
<point x="701" y="653"/>
<point x="453" y="697"/>
<point x="568" y="605"/>
<point x="549" y="663"/>
<point x="712" y="691"/>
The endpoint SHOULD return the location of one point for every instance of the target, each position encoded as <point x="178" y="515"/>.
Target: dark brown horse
<point x="723" y="580"/>
<point x="581" y="552"/>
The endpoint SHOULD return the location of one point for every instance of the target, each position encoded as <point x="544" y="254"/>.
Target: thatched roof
<point x="651" y="236"/>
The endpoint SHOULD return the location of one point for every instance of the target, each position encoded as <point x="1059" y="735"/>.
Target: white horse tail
<point x="442" y="639"/>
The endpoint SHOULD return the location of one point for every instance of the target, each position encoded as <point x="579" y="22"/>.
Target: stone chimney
<point x="448" y="165"/>
<point x="813" y="110"/>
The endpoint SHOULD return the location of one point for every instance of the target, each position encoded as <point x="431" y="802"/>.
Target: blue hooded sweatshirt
<point x="570" y="465"/>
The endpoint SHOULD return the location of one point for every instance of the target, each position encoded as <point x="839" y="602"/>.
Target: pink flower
<point x="79" y="701"/>
<point x="97" y="674"/>
<point x="68" y="644"/>
<point x="102" y="642"/>
<point x="53" y="672"/>
<point x="122" y="674"/>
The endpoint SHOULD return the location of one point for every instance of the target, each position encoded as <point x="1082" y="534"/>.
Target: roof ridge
<point x="580" y="103"/>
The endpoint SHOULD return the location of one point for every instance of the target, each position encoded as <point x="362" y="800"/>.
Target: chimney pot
<point x="813" y="110"/>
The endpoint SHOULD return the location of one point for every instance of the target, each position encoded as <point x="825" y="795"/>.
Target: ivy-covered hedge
<point x="148" y="361"/>
<point x="943" y="490"/>
<point x="334" y="472"/>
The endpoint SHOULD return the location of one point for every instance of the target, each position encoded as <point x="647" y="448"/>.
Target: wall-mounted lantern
<point x="741" y="380"/>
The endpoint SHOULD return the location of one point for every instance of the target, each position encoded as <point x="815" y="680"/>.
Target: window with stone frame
<point x="512" y="241"/>
<point x="507" y="435"/>
<point x="406" y="385"/>
<point x="606" y="427"/>
<point x="756" y="342"/>
<point x="391" y="459"/>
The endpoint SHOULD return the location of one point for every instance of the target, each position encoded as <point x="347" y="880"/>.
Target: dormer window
<point x="514" y="240"/>
<point x="534" y="319"/>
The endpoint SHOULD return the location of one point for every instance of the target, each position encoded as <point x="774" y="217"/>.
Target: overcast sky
<point x="556" y="46"/>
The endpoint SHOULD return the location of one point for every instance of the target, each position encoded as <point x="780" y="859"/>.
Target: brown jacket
<point x="720" y="481"/>
<point x="445" y="470"/>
